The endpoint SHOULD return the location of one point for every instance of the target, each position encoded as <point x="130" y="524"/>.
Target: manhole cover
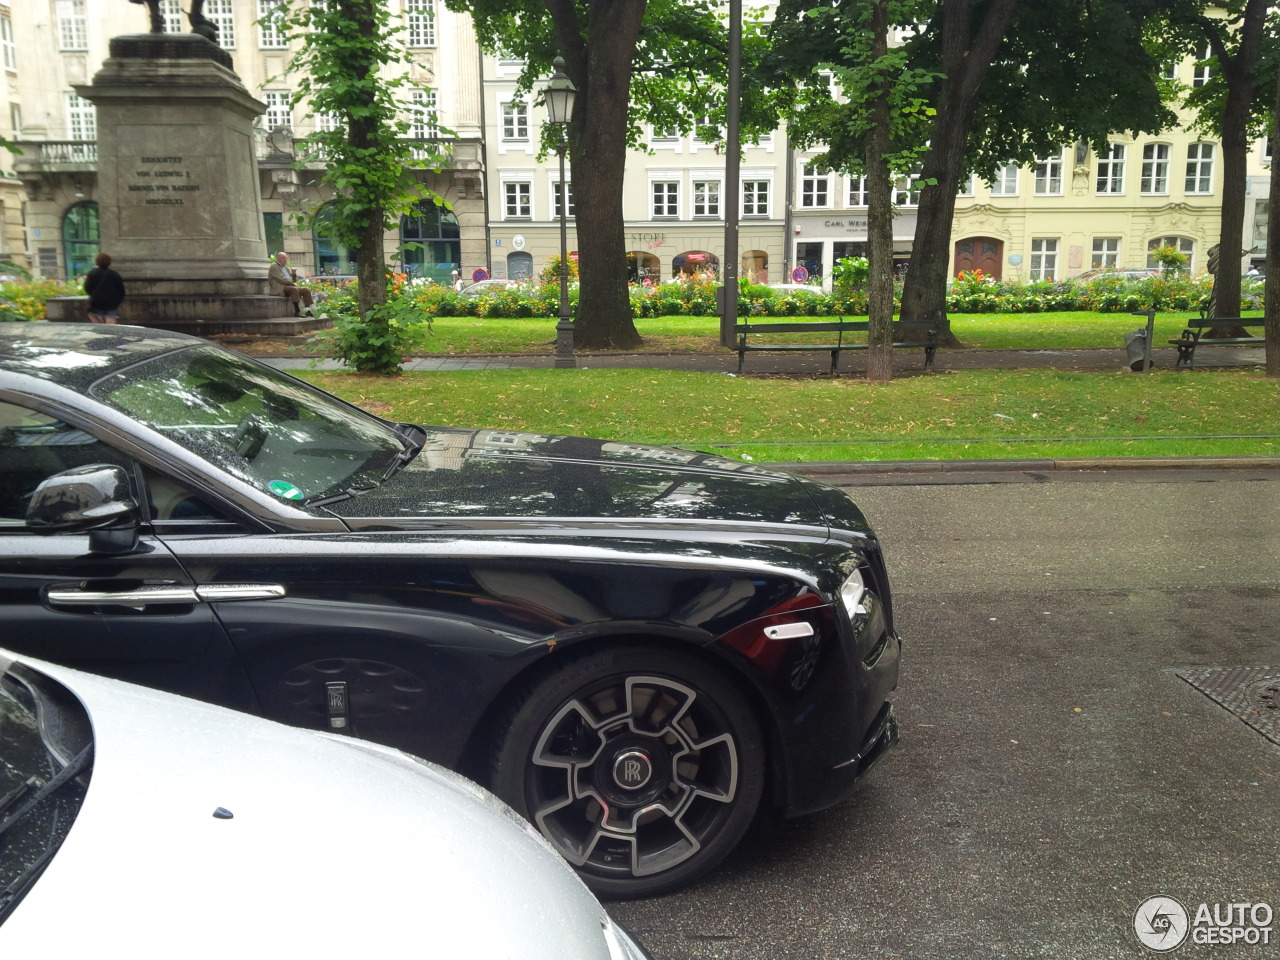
<point x="1251" y="693"/>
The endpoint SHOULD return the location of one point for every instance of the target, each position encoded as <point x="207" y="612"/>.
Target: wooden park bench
<point x="1193" y="336"/>
<point x="836" y="325"/>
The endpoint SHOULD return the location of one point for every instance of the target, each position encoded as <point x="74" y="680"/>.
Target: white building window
<point x="270" y="32"/>
<point x="172" y="14"/>
<point x="1049" y="176"/>
<point x="1155" y="168"/>
<point x="423" y="123"/>
<point x="515" y="121"/>
<point x="73" y="31"/>
<point x="906" y="192"/>
<point x="279" y="109"/>
<point x="815" y="187"/>
<point x="517" y="200"/>
<point x="82" y="118"/>
<point x="663" y="136"/>
<point x="222" y="13"/>
<point x="1199" y="168"/>
<point x="8" y="49"/>
<point x="1044" y="259"/>
<point x="420" y="22"/>
<point x="1203" y="72"/>
<point x="857" y="192"/>
<point x="557" y="190"/>
<point x="755" y="198"/>
<point x="1106" y="253"/>
<point x="327" y="120"/>
<point x="965" y="189"/>
<point x="1005" y="183"/>
<point x="1111" y="169"/>
<point x="666" y="198"/>
<point x="706" y="198"/>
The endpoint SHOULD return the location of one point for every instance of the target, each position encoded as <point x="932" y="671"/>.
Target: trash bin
<point x="1135" y="347"/>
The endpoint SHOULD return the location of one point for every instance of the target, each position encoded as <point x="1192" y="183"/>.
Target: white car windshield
<point x="262" y="426"/>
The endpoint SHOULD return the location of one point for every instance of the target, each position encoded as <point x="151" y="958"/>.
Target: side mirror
<point x="93" y="499"/>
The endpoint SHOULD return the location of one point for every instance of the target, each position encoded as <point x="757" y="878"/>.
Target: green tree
<point x="634" y="63"/>
<point x="876" y="127"/>
<point x="348" y="51"/>
<point x="1231" y="106"/>
<point x="1004" y="92"/>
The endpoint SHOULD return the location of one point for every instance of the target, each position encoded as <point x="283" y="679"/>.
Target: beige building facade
<point x="1070" y="212"/>
<point x="49" y="212"/>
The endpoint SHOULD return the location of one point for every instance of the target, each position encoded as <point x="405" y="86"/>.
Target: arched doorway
<point x="519" y="266"/>
<point x="979" y="253"/>
<point x="755" y="266"/>
<point x="332" y="255"/>
<point x="642" y="266"/>
<point x="430" y="243"/>
<point x="80" y="238"/>
<point x="697" y="263"/>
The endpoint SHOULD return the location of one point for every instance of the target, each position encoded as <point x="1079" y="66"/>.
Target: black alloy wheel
<point x="643" y="768"/>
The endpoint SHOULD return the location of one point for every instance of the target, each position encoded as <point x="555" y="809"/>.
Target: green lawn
<point x="946" y="416"/>
<point x="989" y="331"/>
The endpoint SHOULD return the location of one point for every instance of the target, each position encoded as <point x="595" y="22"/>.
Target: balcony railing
<point x="42" y="154"/>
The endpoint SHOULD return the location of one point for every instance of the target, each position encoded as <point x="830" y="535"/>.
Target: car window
<point x="260" y="425"/>
<point x="35" y="446"/>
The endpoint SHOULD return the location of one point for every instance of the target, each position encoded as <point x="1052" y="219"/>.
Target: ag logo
<point x="1161" y="924"/>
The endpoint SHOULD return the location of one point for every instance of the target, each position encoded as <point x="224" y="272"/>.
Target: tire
<point x="642" y="767"/>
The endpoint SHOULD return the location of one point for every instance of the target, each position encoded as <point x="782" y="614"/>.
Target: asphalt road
<point x="1055" y="772"/>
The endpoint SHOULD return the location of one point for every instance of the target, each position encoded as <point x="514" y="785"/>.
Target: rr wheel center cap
<point x="632" y="770"/>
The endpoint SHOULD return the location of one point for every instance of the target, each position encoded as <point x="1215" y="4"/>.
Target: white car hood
<point x="335" y="848"/>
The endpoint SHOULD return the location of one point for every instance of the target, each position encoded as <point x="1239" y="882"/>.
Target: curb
<point x="826" y="468"/>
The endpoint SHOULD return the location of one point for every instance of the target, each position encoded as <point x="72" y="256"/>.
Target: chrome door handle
<point x="138" y="597"/>
<point x="239" y="591"/>
<point x="164" y="594"/>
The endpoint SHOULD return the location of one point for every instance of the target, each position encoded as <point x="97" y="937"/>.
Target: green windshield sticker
<point x="285" y="490"/>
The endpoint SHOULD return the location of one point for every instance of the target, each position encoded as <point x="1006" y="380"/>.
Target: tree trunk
<point x="1271" y="291"/>
<point x="966" y="58"/>
<point x="600" y="67"/>
<point x="879" y="214"/>
<point x="362" y="134"/>
<point x="1238" y="72"/>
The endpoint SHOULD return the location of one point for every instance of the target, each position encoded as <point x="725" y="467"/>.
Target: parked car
<point x="802" y="288"/>
<point x="1128" y="273"/>
<point x="636" y="647"/>
<point x="165" y="827"/>
<point x="481" y="287"/>
<point x="332" y="278"/>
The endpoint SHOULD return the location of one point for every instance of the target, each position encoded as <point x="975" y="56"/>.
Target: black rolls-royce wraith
<point x="637" y="647"/>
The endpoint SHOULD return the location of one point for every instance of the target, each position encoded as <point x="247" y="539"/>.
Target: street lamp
<point x="558" y="97"/>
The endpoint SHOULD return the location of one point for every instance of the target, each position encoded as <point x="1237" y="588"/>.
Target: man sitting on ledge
<point x="284" y="281"/>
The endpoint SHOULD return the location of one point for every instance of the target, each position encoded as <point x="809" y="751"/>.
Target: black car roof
<point x="79" y="354"/>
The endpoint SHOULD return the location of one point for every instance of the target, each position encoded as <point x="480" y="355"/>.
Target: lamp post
<point x="558" y="97"/>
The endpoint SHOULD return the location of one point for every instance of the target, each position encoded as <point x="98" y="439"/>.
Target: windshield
<point x="45" y="763"/>
<point x="262" y="426"/>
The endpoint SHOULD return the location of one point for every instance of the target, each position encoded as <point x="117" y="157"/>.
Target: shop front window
<point x="332" y="255"/>
<point x="430" y="243"/>
<point x="80" y="238"/>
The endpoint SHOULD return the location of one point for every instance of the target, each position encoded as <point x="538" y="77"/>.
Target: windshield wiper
<point x="55" y="783"/>
<point x="17" y="888"/>
<point x="414" y="438"/>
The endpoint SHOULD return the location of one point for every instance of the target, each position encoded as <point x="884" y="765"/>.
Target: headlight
<point x="621" y="946"/>
<point x="851" y="593"/>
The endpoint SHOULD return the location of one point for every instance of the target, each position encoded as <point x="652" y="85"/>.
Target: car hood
<point x="494" y="473"/>
<point x="336" y="847"/>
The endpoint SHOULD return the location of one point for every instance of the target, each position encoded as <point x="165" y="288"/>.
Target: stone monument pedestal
<point x="180" y="211"/>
